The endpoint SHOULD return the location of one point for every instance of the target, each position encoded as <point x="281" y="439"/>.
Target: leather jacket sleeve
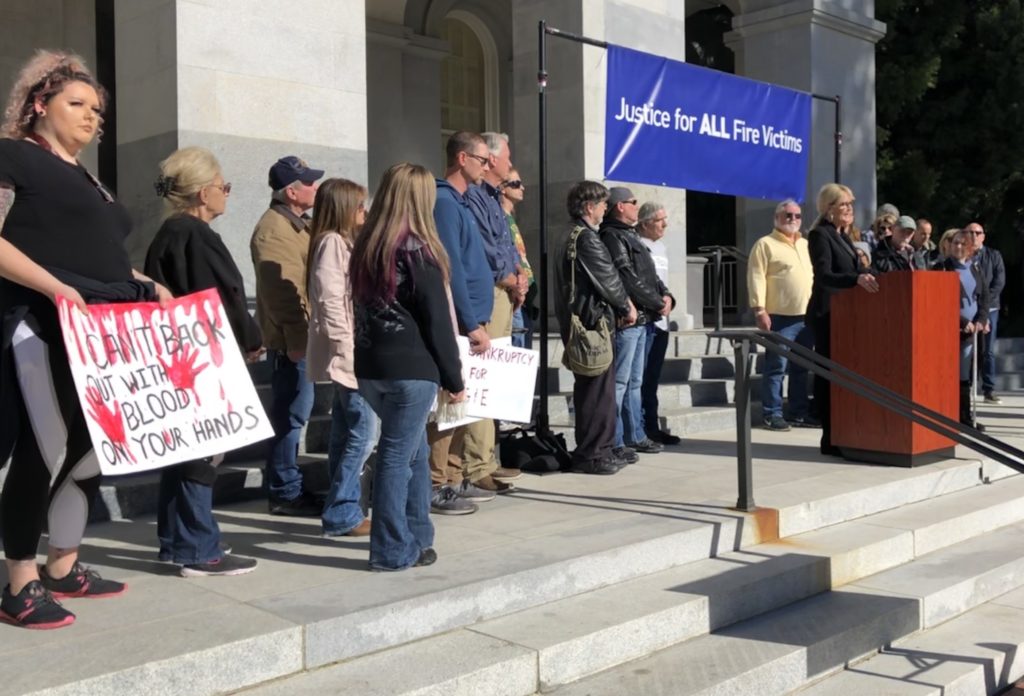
<point x="594" y="259"/>
<point x="644" y="295"/>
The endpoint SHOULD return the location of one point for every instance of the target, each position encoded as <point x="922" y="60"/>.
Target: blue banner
<point x="673" y="124"/>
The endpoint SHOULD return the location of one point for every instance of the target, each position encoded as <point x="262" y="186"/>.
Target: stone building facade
<point x="353" y="86"/>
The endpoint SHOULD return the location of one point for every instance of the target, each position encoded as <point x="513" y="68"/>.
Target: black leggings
<point x="54" y="472"/>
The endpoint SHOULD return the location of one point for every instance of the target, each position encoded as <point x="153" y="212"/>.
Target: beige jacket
<point x="279" y="246"/>
<point x="330" y="348"/>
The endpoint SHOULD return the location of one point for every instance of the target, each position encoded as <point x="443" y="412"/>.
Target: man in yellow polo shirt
<point x="779" y="277"/>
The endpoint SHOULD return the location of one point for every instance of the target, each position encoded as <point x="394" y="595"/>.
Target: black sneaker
<point x="647" y="446"/>
<point x="626" y="454"/>
<point x="427" y="557"/>
<point x="776" y="423"/>
<point x="33" y="607"/>
<point x="303" y="506"/>
<point x="80" y="582"/>
<point x="664" y="437"/>
<point x="166" y="557"/>
<point x="805" y="422"/>
<point x="601" y="467"/>
<point x="225" y="565"/>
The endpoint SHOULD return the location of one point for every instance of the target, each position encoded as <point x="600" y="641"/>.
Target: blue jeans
<point x="353" y="435"/>
<point x="630" y="351"/>
<point x="656" y="347"/>
<point x="401" y="528"/>
<point x="987" y="354"/>
<point x="793" y="328"/>
<point x="185" y="525"/>
<point x="292" y="403"/>
<point x="518" y="338"/>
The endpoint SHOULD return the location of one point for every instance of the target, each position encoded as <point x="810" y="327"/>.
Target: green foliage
<point x="950" y="84"/>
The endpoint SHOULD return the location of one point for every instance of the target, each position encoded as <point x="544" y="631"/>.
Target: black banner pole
<point x="543" y="425"/>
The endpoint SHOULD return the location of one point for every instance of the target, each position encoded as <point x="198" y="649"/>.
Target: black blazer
<point x="835" y="264"/>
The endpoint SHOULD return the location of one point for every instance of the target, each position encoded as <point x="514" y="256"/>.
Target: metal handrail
<point x="714" y="253"/>
<point x="852" y="381"/>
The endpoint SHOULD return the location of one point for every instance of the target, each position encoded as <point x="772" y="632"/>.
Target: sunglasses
<point x="793" y="216"/>
<point x="225" y="187"/>
<point x="516" y="184"/>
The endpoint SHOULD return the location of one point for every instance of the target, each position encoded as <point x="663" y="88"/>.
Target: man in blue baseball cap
<point x="279" y="246"/>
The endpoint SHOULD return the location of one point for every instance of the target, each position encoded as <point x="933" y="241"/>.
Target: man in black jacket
<point x="652" y="300"/>
<point x="896" y="252"/>
<point x="993" y="273"/>
<point x="588" y="286"/>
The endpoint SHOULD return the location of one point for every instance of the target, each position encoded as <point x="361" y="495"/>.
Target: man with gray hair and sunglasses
<point x="779" y="278"/>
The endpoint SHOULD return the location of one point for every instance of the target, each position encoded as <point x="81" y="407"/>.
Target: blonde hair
<point x="183" y="175"/>
<point x="946" y="239"/>
<point x="403" y="207"/>
<point x="829" y="195"/>
<point x="42" y="78"/>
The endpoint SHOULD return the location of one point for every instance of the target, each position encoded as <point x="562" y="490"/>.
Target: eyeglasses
<point x="975" y="232"/>
<point x="516" y="184"/>
<point x="844" y="204"/>
<point x="631" y="202"/>
<point x="793" y="216"/>
<point x="225" y="187"/>
<point x="485" y="161"/>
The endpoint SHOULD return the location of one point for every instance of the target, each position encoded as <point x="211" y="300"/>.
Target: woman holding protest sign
<point x="61" y="235"/>
<point x="188" y="256"/>
<point x="339" y="212"/>
<point x="404" y="346"/>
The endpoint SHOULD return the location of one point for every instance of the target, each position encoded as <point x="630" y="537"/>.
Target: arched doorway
<point x="469" y="77"/>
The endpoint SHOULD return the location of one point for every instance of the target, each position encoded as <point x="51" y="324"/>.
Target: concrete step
<point x="1009" y="381"/>
<point x="334" y="610"/>
<point x="786" y="649"/>
<point x="1009" y="361"/>
<point x="130" y="497"/>
<point x="1009" y="344"/>
<point x="681" y="343"/>
<point x="698" y="392"/>
<point x="978" y="652"/>
<point x="686" y="422"/>
<point x="584" y="634"/>
<point x="676" y="369"/>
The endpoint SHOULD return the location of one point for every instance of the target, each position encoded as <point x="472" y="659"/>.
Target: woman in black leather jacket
<point x="598" y="294"/>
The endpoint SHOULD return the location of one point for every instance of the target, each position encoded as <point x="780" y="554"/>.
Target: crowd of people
<point x="370" y="299"/>
<point x="792" y="278"/>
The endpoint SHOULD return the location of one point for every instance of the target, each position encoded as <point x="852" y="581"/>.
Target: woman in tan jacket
<point x="339" y="213"/>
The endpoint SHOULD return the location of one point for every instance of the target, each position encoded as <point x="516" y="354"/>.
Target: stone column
<point x="576" y="110"/>
<point x="825" y="47"/>
<point x="250" y="81"/>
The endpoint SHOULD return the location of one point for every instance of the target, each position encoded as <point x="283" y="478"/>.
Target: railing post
<point x="719" y="288"/>
<point x="744" y="462"/>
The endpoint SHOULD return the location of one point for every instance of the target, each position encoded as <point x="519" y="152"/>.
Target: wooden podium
<point x="904" y="337"/>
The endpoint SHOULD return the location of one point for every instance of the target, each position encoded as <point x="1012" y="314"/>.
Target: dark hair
<point x="462" y="141"/>
<point x="582" y="193"/>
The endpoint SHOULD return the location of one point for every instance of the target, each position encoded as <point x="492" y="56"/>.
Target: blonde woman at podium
<point x="836" y="267"/>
